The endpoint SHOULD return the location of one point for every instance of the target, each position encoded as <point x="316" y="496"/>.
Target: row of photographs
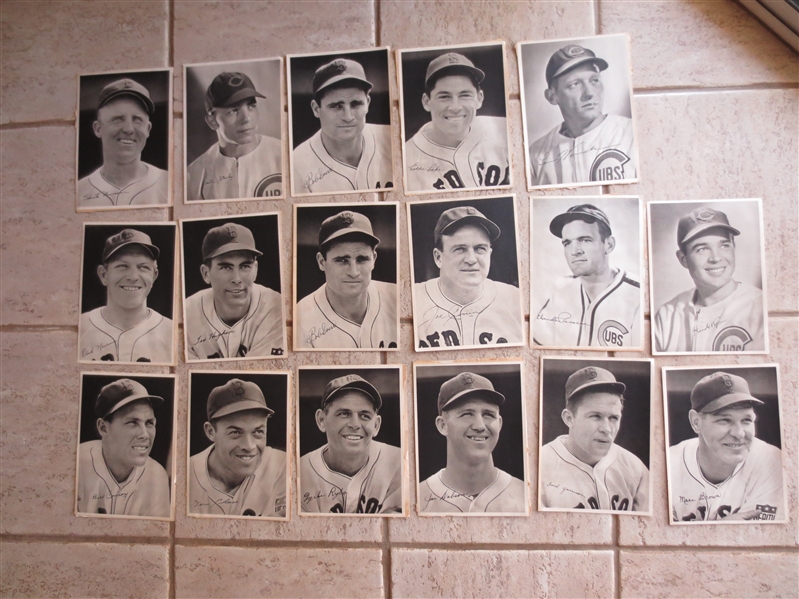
<point x="577" y="118"/>
<point x="723" y="441"/>
<point x="706" y="271"/>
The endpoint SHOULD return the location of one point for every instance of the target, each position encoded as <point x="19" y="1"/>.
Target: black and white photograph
<point x="340" y="122"/>
<point x="346" y="294"/>
<point x="471" y="450"/>
<point x="453" y="103"/>
<point x="238" y="465"/>
<point x="124" y="140"/>
<point x="595" y="436"/>
<point x="707" y="277"/>
<point x="577" y="112"/>
<point x="126" y="446"/>
<point x="232" y="309"/>
<point x="724" y="444"/>
<point x="349" y="440"/>
<point x="465" y="274"/>
<point x="127" y="297"/>
<point x="232" y="132"/>
<point x="587" y="262"/>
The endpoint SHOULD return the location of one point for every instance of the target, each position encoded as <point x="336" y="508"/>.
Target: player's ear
<point x="681" y="257"/>
<point x="567" y="417"/>
<point x="102" y="274"/>
<point x="549" y="94"/>
<point x="378" y="421"/>
<point x="610" y="244"/>
<point x="426" y="102"/>
<point x="437" y="257"/>
<point x="210" y="120"/>
<point x="155" y="271"/>
<point x="210" y="431"/>
<point x="96" y="127"/>
<point x="102" y="427"/>
<point x="320" y="420"/>
<point x="441" y="425"/>
<point x="206" y="273"/>
<point x="315" y="108"/>
<point x="368" y="101"/>
<point x="480" y="97"/>
<point x="320" y="261"/>
<point x="694" y="417"/>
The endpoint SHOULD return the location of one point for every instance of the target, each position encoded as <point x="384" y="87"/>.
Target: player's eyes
<point x="366" y="417"/>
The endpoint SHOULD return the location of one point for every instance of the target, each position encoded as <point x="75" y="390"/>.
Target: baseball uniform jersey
<point x="144" y="493"/>
<point x="261" y="494"/>
<point x="374" y="489"/>
<point x="258" y="174"/>
<point x="618" y="482"/>
<point x="734" y="324"/>
<point x="316" y="171"/>
<point x="494" y="318"/>
<point x="318" y="326"/>
<point x="152" y="189"/>
<point x="481" y="160"/>
<point x="258" y="334"/>
<point x="755" y="484"/>
<point x="570" y="319"/>
<point x="606" y="154"/>
<point x="149" y="341"/>
<point x="504" y="496"/>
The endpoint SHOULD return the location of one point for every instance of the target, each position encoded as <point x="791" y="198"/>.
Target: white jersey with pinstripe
<point x="503" y="496"/>
<point x="149" y="341"/>
<point x="94" y="191"/>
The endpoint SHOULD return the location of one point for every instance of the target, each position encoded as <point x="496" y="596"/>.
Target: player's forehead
<point x="246" y="420"/>
<point x="579" y="228"/>
<point x="344" y="94"/>
<point x="467" y="234"/>
<point x="710" y="237"/>
<point x="140" y="409"/>
<point x="581" y="72"/>
<point x="122" y="105"/>
<point x="351" y="400"/>
<point x="350" y="249"/>
<point x="132" y="252"/>
<point x="234" y="258"/>
<point x="473" y="404"/>
<point x="599" y="402"/>
<point x="252" y="101"/>
<point x="732" y="412"/>
<point x="454" y="83"/>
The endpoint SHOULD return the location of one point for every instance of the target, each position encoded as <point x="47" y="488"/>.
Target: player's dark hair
<point x="604" y="229"/>
<point x="575" y="400"/>
<point x="440" y="241"/>
<point x="730" y="237"/>
<point x="449" y="72"/>
<point x="325" y="247"/>
<point x="344" y="83"/>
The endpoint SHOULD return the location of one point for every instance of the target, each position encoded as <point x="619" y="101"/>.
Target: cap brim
<point x="154" y="398"/>
<point x="617" y="386"/>
<point x="148" y="103"/>
<point x="704" y="227"/>
<point x="442" y="72"/>
<point x="561" y="220"/>
<point x="344" y="232"/>
<point x="493" y="396"/>
<point x="154" y="251"/>
<point x="241" y="406"/>
<point x="337" y="78"/>
<point x="727" y="400"/>
<point x="493" y="230"/>
<point x="573" y="64"/>
<point x="233" y="247"/>
<point x="240" y="95"/>
<point x="363" y="386"/>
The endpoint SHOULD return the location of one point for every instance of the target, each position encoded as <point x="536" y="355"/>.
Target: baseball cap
<point x="126" y="87"/>
<point x="235" y="396"/>
<point x="452" y="60"/>
<point x="348" y="383"/>
<point x="569" y="57"/>
<point x="229" y="88"/>
<point x="701" y="219"/>
<point x="464" y="215"/>
<point x="345" y="223"/>
<point x="574" y="213"/>
<point x="229" y="237"/>
<point x="592" y="376"/>
<point x="467" y="384"/>
<point x="120" y="393"/>
<point x="128" y="237"/>
<point x="337" y="70"/>
<point x="719" y="390"/>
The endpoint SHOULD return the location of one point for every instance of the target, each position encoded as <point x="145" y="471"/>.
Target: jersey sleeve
<point x="641" y="497"/>
<point x="270" y="335"/>
<point x="766" y="485"/>
<point x="157" y="503"/>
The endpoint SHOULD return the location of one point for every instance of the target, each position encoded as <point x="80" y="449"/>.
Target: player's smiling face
<point x="342" y="113"/>
<point x="710" y="260"/>
<point x="465" y="257"/>
<point x="127" y="437"/>
<point x="579" y="94"/>
<point x="231" y="276"/>
<point x="348" y="268"/>
<point x="239" y="442"/>
<point x="586" y="253"/>
<point x="350" y="422"/>
<point x="472" y="428"/>
<point x="593" y="426"/>
<point x="453" y="103"/>
<point x="128" y="276"/>
<point x="123" y="125"/>
<point x="235" y="125"/>
<point x="725" y="436"/>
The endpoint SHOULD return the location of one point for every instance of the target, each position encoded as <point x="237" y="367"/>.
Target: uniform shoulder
<point x="156" y="470"/>
<point x="199" y="162"/>
<point x="680" y="299"/>
<point x="542" y="143"/>
<point x="273" y="143"/>
<point x="629" y="457"/>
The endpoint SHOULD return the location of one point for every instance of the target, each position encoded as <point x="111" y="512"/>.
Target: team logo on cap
<point x="235" y="80"/>
<point x="347" y="217"/>
<point x="339" y="65"/>
<point x="231" y="231"/>
<point x="471" y="211"/>
<point x="467" y="378"/>
<point x="575" y="51"/>
<point x="127" y="83"/>
<point x="351" y="377"/>
<point x="611" y="333"/>
<point x="609" y="165"/>
<point x="238" y="388"/>
<point x="453" y="59"/>
<point x="732" y="339"/>
<point x="727" y="383"/>
<point x="126" y="234"/>
<point x="592" y="373"/>
<point x="705" y="215"/>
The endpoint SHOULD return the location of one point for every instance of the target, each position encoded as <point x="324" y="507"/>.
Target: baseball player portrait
<point x="232" y="471"/>
<point x="724" y="309"/>
<point x="349" y="431"/>
<point x="723" y="438"/>
<point x="461" y="297"/>
<point x="121" y="319"/>
<point x="125" y="446"/>
<point x="340" y="116"/>
<point x="345" y="274"/>
<point x="232" y="309"/>
<point x="455" y="130"/>
<point x="577" y="111"/>
<point x="232" y="134"/>
<point x="470" y="453"/>
<point x="595" y="435"/>
<point x="124" y="133"/>
<point x="594" y="300"/>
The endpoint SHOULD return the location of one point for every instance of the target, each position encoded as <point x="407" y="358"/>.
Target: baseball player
<point x="347" y="153"/>
<point x="589" y="145"/>
<point x="598" y="306"/>
<point x="456" y="149"/>
<point x="125" y="329"/>
<point x="463" y="307"/>
<point x="350" y="311"/>
<point x="585" y="469"/>
<point x="236" y="317"/>
<point x="123" y="125"/>
<point x="242" y="163"/>
<point x="468" y="416"/>
<point x="720" y="314"/>
<point x="725" y="473"/>
<point x="352" y="473"/>
<point x="238" y="475"/>
<point x="116" y="476"/>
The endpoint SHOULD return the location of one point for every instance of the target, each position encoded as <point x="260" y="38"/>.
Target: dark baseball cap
<point x="719" y="390"/>
<point x="340" y="69"/>
<point x="455" y="62"/>
<point x="702" y="219"/>
<point x="128" y="237"/>
<point x="230" y="237"/>
<point x="229" y="88"/>
<point x="570" y="57"/>
<point x="119" y="394"/>
<point x="348" y="383"/>
<point x="574" y="213"/>
<point x="126" y="87"/>
<point x="592" y="377"/>
<point x="235" y="396"/>
<point x="346" y="223"/>
<point x="464" y="386"/>
<point x="455" y="218"/>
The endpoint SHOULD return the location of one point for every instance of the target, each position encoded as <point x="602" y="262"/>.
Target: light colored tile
<point x="260" y="572"/>
<point x="434" y="573"/>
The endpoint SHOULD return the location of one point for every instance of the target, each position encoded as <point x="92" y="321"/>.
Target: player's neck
<point x="122" y="174"/>
<point x="467" y="477"/>
<point x="713" y="473"/>
<point x="238" y="150"/>
<point x="223" y="479"/>
<point x="123" y="318"/>
<point x="347" y="151"/>
<point x="231" y="316"/>
<point x="575" y="128"/>
<point x="595" y="283"/>
<point x="353" y="309"/>
<point x="440" y="138"/>
<point x="348" y="465"/>
<point x="709" y="297"/>
<point x="575" y="450"/>
<point x="120" y="473"/>
<point x="459" y="294"/>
